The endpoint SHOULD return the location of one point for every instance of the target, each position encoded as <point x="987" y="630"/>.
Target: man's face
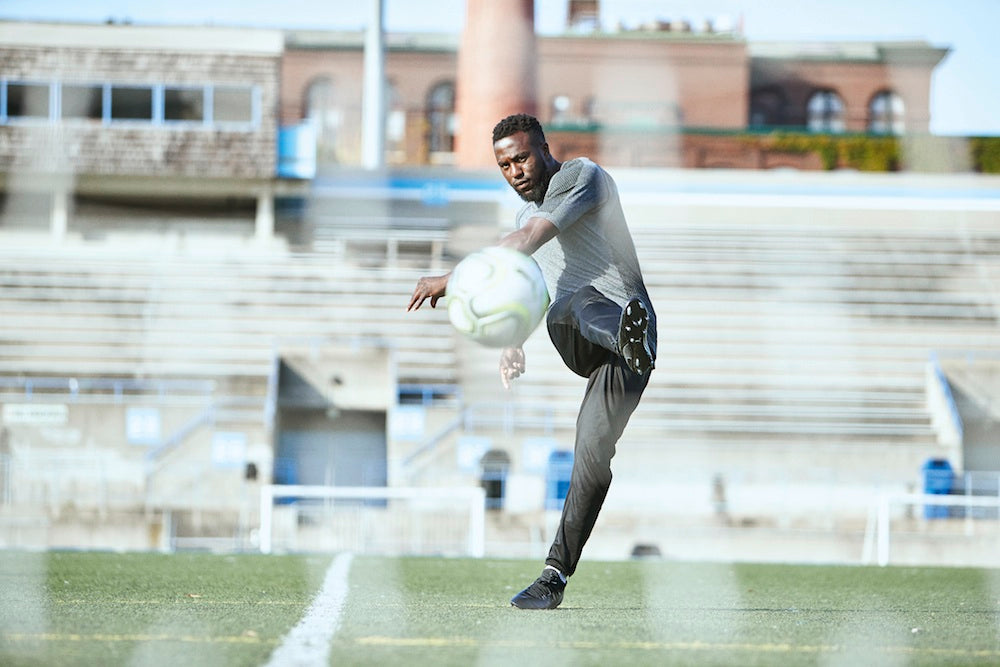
<point x="523" y="165"/>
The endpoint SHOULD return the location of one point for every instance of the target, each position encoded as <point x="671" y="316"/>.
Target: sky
<point x="965" y="89"/>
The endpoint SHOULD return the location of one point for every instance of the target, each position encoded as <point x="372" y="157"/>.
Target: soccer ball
<point x="496" y="296"/>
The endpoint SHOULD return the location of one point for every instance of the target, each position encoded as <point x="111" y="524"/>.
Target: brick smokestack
<point x="496" y="74"/>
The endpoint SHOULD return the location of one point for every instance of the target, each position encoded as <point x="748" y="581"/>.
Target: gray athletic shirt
<point x="594" y="246"/>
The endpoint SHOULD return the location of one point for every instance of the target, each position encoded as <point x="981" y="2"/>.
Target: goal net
<point x="373" y="520"/>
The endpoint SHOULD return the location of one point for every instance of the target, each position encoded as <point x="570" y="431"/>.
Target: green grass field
<point x="198" y="609"/>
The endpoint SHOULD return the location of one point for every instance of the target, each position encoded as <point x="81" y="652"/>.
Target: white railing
<point x="879" y="529"/>
<point x="470" y="501"/>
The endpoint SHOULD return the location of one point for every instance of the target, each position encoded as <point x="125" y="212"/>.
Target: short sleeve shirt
<point x="594" y="245"/>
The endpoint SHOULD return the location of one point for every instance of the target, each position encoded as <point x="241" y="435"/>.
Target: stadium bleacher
<point x="763" y="328"/>
<point x="99" y="310"/>
<point x="777" y="334"/>
<point x="809" y="330"/>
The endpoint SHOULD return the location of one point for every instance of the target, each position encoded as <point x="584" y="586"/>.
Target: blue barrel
<point x="939" y="478"/>
<point x="297" y="151"/>
<point x="557" y="474"/>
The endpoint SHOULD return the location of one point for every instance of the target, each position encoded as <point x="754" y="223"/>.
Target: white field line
<point x="308" y="643"/>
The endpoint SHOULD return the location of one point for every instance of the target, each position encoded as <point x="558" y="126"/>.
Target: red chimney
<point x="496" y="74"/>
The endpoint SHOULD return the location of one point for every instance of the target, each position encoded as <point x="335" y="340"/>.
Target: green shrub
<point x="986" y="154"/>
<point x="862" y="152"/>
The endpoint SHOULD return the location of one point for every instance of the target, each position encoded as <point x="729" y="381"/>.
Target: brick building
<point x="664" y="96"/>
<point x="156" y="112"/>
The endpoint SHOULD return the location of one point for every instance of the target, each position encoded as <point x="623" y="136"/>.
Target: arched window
<point x="886" y="113"/>
<point x="495" y="464"/>
<point x="321" y="108"/>
<point x="768" y="107"/>
<point x="395" y="118"/>
<point x="825" y="112"/>
<point x="560" y="111"/>
<point x="441" y="118"/>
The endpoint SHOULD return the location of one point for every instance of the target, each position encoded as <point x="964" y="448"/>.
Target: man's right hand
<point x="428" y="287"/>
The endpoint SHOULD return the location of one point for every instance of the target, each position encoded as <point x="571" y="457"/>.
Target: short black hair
<point x="520" y="122"/>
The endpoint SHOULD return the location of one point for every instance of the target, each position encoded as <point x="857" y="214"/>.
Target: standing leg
<point x="612" y="395"/>
<point x="585" y="330"/>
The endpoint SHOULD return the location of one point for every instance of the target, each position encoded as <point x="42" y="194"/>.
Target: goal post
<point x="373" y="519"/>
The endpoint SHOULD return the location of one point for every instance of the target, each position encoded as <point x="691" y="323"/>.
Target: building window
<point x="560" y="109"/>
<point x="768" y="108"/>
<point x="319" y="99"/>
<point x="494" y="466"/>
<point x="81" y="102"/>
<point x="825" y="112"/>
<point x="441" y="118"/>
<point x="151" y="104"/>
<point x="395" y="118"/>
<point x="232" y="105"/>
<point x="321" y="109"/>
<point x="886" y="113"/>
<point x="131" y="103"/>
<point x="28" y="100"/>
<point x="184" y="104"/>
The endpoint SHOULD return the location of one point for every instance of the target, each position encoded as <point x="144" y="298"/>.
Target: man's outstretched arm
<point x="535" y="233"/>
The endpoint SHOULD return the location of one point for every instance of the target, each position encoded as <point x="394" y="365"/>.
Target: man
<point x="601" y="320"/>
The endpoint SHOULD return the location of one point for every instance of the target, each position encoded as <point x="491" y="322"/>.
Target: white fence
<point x="381" y="520"/>
<point x="878" y="533"/>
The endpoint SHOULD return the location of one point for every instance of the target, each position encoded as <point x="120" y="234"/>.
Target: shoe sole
<point x="535" y="603"/>
<point x="632" y="337"/>
<point x="534" y="597"/>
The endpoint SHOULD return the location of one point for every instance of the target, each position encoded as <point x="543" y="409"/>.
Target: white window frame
<point x="157" y="104"/>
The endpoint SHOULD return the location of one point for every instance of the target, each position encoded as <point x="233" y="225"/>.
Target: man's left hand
<point x="511" y="365"/>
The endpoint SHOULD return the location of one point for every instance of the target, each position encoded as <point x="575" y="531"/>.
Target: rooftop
<point x="144" y="37"/>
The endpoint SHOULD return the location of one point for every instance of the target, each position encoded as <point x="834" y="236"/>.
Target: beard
<point x="536" y="194"/>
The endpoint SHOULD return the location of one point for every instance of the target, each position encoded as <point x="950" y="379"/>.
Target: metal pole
<point x="883" y="531"/>
<point x="266" y="517"/>
<point x="477" y="523"/>
<point x="373" y="120"/>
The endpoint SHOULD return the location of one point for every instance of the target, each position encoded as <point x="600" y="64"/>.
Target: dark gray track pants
<point x="584" y="329"/>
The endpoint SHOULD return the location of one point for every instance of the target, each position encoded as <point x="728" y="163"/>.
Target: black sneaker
<point x="545" y="593"/>
<point x="632" y="337"/>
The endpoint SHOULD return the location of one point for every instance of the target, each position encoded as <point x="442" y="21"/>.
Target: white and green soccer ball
<point x="496" y="296"/>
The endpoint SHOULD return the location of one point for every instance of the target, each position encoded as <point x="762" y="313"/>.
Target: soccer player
<point x="601" y="320"/>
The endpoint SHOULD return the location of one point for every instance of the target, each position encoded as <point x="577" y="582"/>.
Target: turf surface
<point x="199" y="609"/>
